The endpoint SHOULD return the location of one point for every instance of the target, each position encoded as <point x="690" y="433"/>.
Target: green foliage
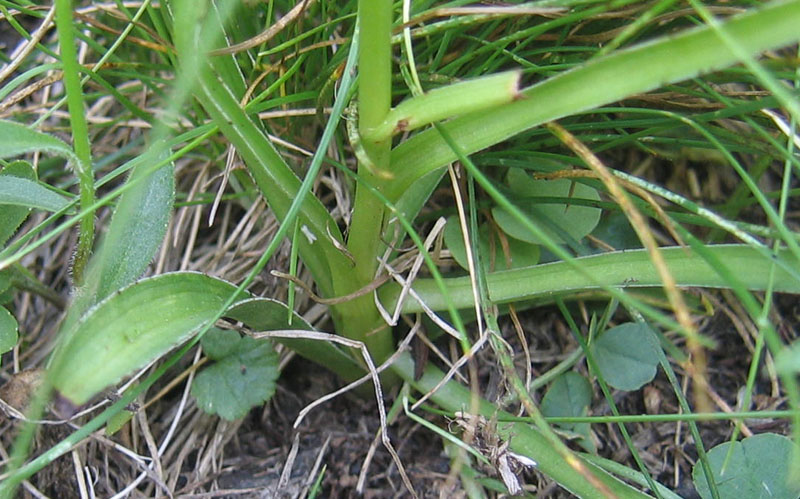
<point x="264" y="314"/>
<point x="561" y="222"/>
<point x="26" y="193"/>
<point x="760" y="466"/>
<point x="625" y="356"/>
<point x="788" y="362"/>
<point x="113" y="327"/>
<point x="131" y="328"/>
<point x="242" y="376"/>
<point x="13" y="216"/>
<point x="118" y="421"/>
<point x="520" y="254"/>
<point x="136" y="229"/>
<point x="16" y="139"/>
<point x="570" y="395"/>
<point x="8" y="331"/>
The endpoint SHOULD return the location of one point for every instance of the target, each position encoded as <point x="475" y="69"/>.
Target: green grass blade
<point x="596" y="83"/>
<point x="278" y="184"/>
<point x="80" y="132"/>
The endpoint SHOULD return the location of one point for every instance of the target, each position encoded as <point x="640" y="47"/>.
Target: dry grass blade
<point x="269" y="33"/>
<point x="462" y="219"/>
<point x="697" y="367"/>
<point x="22" y="53"/>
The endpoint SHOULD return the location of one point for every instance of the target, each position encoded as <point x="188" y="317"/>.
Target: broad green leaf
<point x="16" y="139"/>
<point x="522" y="254"/>
<point x="29" y="194"/>
<point x="136" y="229"/>
<point x="13" y="216"/>
<point x="570" y="395"/>
<point x="557" y="220"/>
<point x="625" y="356"/>
<point x="133" y="327"/>
<point x="8" y="331"/>
<point x="759" y="467"/>
<point x="241" y="378"/>
<point x="615" y="230"/>
<point x="263" y="314"/>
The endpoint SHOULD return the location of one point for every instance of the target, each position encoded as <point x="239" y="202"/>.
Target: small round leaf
<point x="557" y="220"/>
<point x="522" y="254"/>
<point x="759" y="467"/>
<point x="626" y="356"/>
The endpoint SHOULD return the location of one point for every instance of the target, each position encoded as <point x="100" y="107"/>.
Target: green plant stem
<point x="276" y="181"/>
<point x="477" y="94"/>
<point x="80" y="133"/>
<point x="665" y="418"/>
<point x="359" y="319"/>
<point x="620" y="269"/>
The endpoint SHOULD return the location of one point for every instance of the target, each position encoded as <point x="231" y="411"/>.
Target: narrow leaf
<point x="16" y="139"/>
<point x="136" y="230"/>
<point x="30" y="194"/>
<point x="13" y="216"/>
